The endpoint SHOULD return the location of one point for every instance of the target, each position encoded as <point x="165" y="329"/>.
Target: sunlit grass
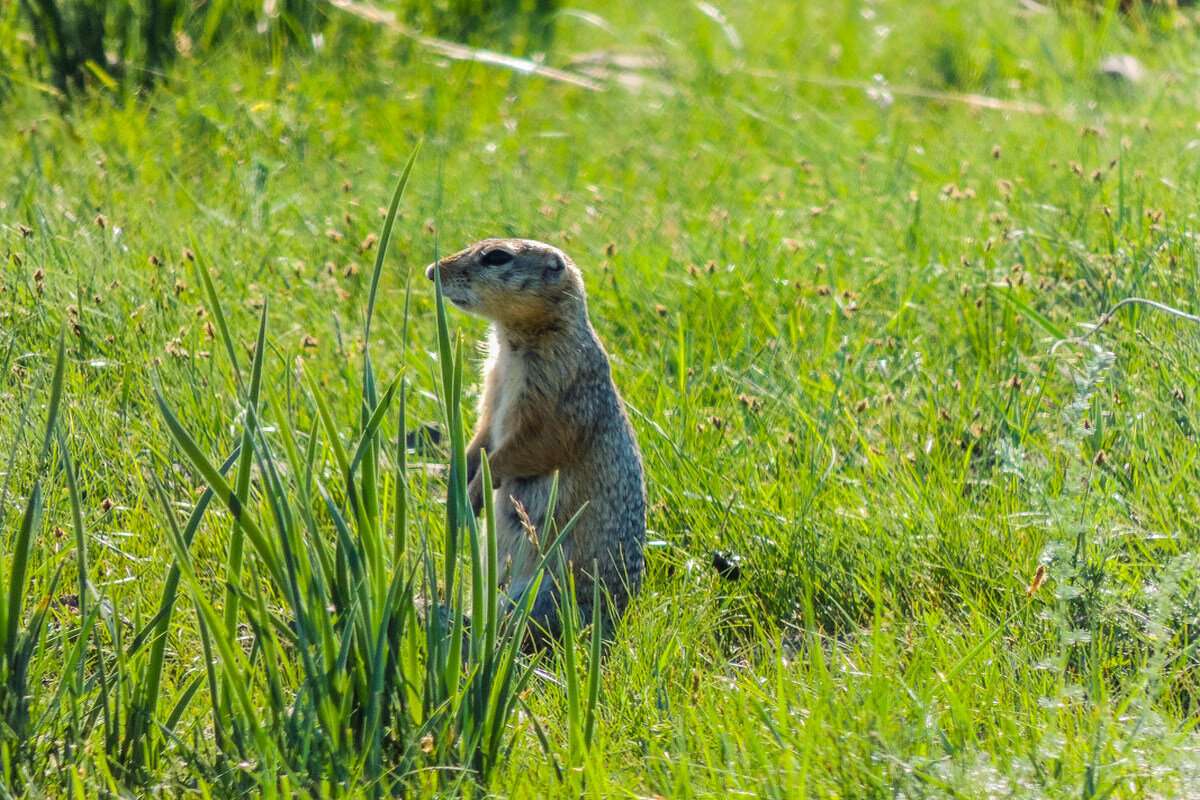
<point x="830" y="304"/>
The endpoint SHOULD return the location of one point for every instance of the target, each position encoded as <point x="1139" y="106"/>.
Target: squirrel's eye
<point x="496" y="257"/>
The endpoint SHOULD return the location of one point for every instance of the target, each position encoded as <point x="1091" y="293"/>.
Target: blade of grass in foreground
<point x="142" y="709"/>
<point x="224" y="493"/>
<point x="593" y="695"/>
<point x="233" y="568"/>
<point x="19" y="647"/>
<point x="231" y="656"/>
<point x="575" y="746"/>
<point x="56" y="391"/>
<point x="12" y="458"/>
<point x="214" y="304"/>
<point x="81" y="563"/>
<point x="385" y="236"/>
<point x="17" y="590"/>
<point x="10" y="614"/>
<point x="370" y="468"/>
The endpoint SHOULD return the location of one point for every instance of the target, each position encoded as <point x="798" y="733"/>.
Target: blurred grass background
<point x="829" y="246"/>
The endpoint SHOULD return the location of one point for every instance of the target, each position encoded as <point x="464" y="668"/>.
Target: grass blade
<point x="81" y="562"/>
<point x="214" y="307"/>
<point x="56" y="391"/>
<point x="400" y="504"/>
<point x="17" y="590"/>
<point x="233" y="568"/>
<point x="220" y="487"/>
<point x="593" y="694"/>
<point x="385" y="237"/>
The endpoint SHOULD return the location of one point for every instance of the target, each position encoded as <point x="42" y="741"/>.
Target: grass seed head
<point x="750" y="402"/>
<point x="526" y="523"/>
<point x="1039" y="578"/>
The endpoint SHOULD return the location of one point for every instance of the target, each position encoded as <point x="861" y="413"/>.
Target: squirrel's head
<point x="518" y="283"/>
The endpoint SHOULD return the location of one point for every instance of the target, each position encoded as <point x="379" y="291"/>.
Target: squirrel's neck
<point x="545" y="336"/>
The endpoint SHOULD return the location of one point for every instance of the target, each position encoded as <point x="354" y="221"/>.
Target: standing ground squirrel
<point x="549" y="404"/>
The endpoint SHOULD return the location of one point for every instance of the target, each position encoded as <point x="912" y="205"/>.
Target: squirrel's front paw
<point x="475" y="493"/>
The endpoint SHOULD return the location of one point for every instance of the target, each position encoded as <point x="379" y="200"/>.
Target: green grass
<point x="831" y="305"/>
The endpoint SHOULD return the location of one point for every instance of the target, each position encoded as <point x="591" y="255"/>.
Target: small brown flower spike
<point x="1039" y="578"/>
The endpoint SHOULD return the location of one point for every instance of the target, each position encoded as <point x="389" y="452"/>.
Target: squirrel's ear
<point x="556" y="264"/>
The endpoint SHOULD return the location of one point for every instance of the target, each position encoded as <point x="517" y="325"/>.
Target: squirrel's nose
<point x="429" y="270"/>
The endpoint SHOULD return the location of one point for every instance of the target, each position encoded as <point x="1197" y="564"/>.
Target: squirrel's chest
<point x="508" y="378"/>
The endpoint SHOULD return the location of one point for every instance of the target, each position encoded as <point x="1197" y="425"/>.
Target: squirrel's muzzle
<point x="429" y="270"/>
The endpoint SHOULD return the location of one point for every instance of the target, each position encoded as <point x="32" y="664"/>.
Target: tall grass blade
<point x="571" y="667"/>
<point x="400" y="503"/>
<point x="220" y="737"/>
<point x="10" y="614"/>
<point x="12" y="459"/>
<point x="220" y="487"/>
<point x="81" y="562"/>
<point x="492" y="582"/>
<point x="232" y="659"/>
<point x="233" y="568"/>
<point x="214" y="307"/>
<point x="372" y="427"/>
<point x="145" y="702"/>
<point x="370" y="496"/>
<point x="185" y="699"/>
<point x="17" y="590"/>
<point x="385" y="237"/>
<point x="593" y="694"/>
<point x="56" y="392"/>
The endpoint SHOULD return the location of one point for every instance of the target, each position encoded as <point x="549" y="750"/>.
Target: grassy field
<point x="843" y="256"/>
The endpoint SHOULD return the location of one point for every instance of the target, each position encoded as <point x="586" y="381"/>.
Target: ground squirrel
<point x="549" y="404"/>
